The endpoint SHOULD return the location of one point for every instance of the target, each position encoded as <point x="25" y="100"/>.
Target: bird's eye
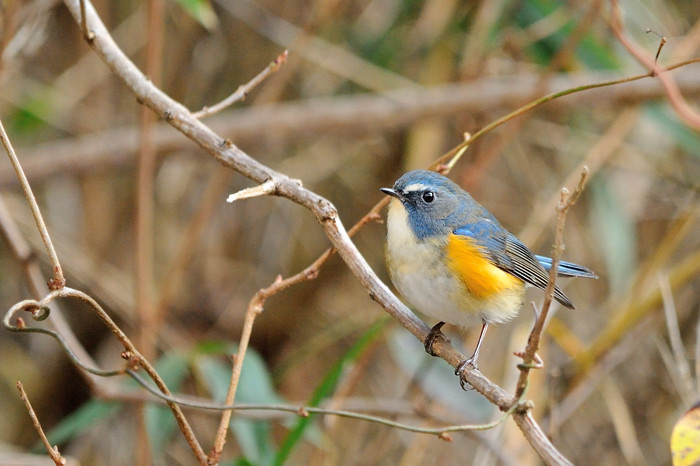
<point x="428" y="197"/>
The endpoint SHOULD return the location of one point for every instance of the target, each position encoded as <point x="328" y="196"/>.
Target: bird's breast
<point x="435" y="284"/>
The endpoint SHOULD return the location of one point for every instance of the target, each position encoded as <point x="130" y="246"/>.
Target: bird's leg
<point x="434" y="334"/>
<point x="472" y="360"/>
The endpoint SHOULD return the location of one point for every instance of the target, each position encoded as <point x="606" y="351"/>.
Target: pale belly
<point x="418" y="270"/>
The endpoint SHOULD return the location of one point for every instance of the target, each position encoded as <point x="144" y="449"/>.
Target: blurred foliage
<point x="615" y="380"/>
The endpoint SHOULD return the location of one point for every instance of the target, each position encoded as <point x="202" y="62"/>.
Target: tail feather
<point x="567" y="269"/>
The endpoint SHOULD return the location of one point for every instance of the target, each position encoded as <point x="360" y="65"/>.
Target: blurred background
<point x="371" y="89"/>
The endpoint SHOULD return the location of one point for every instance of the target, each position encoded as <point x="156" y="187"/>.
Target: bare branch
<point x="264" y="189"/>
<point x="231" y="156"/>
<point x="255" y="307"/>
<point x="53" y="451"/>
<point x="87" y="34"/>
<point x="242" y="92"/>
<point x="530" y="358"/>
<point x="340" y="115"/>
<point x="39" y="310"/>
<point x="58" y="281"/>
<point x="675" y="98"/>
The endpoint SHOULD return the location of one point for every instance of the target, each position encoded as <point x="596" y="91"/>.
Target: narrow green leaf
<point x="255" y="386"/>
<point x="201" y="11"/>
<point x="82" y="419"/>
<point x="160" y="423"/>
<point x="326" y="387"/>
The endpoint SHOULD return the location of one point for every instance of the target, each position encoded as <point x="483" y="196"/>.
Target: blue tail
<point x="567" y="269"/>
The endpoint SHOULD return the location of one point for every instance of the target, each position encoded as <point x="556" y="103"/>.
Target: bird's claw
<point x="434" y="334"/>
<point x="466" y="386"/>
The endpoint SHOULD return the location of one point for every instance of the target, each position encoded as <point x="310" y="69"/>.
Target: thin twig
<point x="264" y="189"/>
<point x="255" y="307"/>
<point x="53" y="451"/>
<point x="451" y="157"/>
<point x="662" y="42"/>
<point x="231" y="156"/>
<point x="243" y="90"/>
<point x="87" y="34"/>
<point x="296" y="409"/>
<point x="306" y="410"/>
<point x="58" y="281"/>
<point x="336" y="115"/>
<point x="26" y="259"/>
<point x="149" y="319"/>
<point x="530" y="354"/>
<point x="675" y="98"/>
<point x="39" y="310"/>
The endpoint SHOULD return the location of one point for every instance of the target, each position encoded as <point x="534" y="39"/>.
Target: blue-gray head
<point x="435" y="204"/>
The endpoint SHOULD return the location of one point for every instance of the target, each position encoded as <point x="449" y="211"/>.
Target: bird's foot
<point x="434" y="334"/>
<point x="466" y="386"/>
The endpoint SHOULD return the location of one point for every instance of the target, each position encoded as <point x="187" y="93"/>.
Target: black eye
<point x="428" y="197"/>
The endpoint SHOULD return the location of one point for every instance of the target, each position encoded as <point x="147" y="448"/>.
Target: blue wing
<point x="508" y="253"/>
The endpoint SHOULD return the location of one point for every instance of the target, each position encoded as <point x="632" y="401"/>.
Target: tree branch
<point x="675" y="98"/>
<point x="342" y="115"/>
<point x="58" y="280"/>
<point x="232" y="157"/>
<point x="244" y="89"/>
<point x="53" y="451"/>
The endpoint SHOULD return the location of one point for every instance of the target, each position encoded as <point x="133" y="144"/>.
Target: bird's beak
<point x="392" y="192"/>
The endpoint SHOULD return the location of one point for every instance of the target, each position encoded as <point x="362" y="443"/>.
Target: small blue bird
<point x="452" y="260"/>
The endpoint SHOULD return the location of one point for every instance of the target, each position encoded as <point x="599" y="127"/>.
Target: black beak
<point x="392" y="192"/>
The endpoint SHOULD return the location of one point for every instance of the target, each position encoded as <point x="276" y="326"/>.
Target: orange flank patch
<point x="480" y="276"/>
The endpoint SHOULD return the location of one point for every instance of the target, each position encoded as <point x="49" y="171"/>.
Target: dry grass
<point x="618" y="371"/>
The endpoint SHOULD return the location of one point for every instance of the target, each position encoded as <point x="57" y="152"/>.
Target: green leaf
<point x="326" y="387"/>
<point x="83" y="418"/>
<point x="212" y="347"/>
<point x="160" y="423"/>
<point x="685" y="438"/>
<point x="255" y="386"/>
<point x="201" y="11"/>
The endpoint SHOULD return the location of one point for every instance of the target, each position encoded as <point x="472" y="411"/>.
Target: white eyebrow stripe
<point x="415" y="187"/>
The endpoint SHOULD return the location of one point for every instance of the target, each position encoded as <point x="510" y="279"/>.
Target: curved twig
<point x="39" y="310"/>
<point x="232" y="157"/>
<point x="229" y="405"/>
<point x="675" y="98"/>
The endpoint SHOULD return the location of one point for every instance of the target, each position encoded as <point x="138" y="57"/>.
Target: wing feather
<point x="509" y="254"/>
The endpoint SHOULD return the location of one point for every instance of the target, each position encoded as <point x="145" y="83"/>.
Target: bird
<point x="451" y="259"/>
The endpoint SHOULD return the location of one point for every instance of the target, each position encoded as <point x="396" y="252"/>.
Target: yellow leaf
<point x="685" y="438"/>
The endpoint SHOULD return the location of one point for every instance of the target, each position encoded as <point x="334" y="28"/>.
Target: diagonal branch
<point x="39" y="310"/>
<point x="58" y="281"/>
<point x="232" y="157"/>
<point x="53" y="451"/>
<point x="529" y="356"/>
